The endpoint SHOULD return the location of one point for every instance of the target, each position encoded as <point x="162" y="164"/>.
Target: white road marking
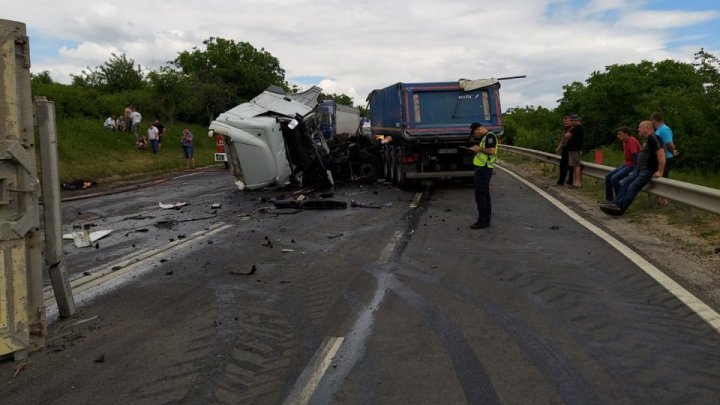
<point x="106" y="279"/>
<point x="390" y="248"/>
<point x="416" y="200"/>
<point x="703" y="310"/>
<point x="313" y="373"/>
<point x="310" y="378"/>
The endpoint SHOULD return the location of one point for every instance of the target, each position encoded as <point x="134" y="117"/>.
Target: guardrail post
<point x="45" y="113"/>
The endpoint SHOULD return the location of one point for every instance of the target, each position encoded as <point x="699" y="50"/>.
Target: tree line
<point x="194" y="87"/>
<point x="201" y="83"/>
<point x="688" y="95"/>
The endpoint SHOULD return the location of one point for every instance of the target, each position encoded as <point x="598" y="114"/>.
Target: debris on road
<point x="311" y="204"/>
<point x="252" y="271"/>
<point x="215" y="206"/>
<point x="85" y="238"/>
<point x="287" y="250"/>
<point x="75" y="185"/>
<point x="335" y="236"/>
<point x="176" y="206"/>
<point x="355" y="204"/>
<point x="20" y="367"/>
<point x="100" y="358"/>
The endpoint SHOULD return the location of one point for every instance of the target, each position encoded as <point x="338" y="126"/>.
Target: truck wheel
<point x="387" y="163"/>
<point x="393" y="165"/>
<point x="400" y="177"/>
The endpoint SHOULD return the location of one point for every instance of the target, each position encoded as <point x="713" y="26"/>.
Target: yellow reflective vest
<point x="482" y="158"/>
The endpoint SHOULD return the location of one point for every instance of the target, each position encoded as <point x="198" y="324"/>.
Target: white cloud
<point x="361" y="46"/>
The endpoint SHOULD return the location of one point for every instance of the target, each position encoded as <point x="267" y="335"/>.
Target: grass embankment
<point x="90" y="152"/>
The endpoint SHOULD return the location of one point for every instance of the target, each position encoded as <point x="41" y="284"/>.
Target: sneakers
<point x="612" y="210"/>
<point x="479" y="225"/>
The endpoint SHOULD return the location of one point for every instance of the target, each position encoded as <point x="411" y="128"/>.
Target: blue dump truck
<point x="423" y="127"/>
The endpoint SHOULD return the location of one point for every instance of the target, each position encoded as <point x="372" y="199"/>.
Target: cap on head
<point x="574" y="117"/>
<point x="474" y="126"/>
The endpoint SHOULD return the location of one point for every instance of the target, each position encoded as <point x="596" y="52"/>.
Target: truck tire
<point x="387" y="163"/>
<point x="393" y="165"/>
<point x="400" y="177"/>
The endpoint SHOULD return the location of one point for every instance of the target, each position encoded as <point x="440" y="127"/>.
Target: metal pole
<point x="45" y="113"/>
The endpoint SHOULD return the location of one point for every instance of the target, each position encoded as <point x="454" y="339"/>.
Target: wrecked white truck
<point x="276" y="139"/>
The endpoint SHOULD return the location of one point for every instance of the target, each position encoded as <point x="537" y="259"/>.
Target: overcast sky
<point x="353" y="47"/>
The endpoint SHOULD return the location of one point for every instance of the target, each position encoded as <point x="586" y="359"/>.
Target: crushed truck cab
<point x="269" y="140"/>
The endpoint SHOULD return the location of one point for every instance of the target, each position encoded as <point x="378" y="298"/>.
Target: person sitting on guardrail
<point x="631" y="148"/>
<point x="650" y="165"/>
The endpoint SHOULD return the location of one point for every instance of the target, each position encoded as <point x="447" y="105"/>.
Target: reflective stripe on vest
<point x="482" y="158"/>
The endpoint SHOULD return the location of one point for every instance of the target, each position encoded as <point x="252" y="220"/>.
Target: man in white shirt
<point x="135" y="119"/>
<point x="153" y="137"/>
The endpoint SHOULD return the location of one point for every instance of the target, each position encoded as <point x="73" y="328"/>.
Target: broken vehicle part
<point x="172" y="206"/>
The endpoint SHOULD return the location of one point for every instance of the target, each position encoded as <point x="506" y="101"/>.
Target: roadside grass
<point x="644" y="209"/>
<point x="88" y="151"/>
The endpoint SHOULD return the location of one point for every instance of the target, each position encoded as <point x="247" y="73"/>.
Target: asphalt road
<point x="390" y="304"/>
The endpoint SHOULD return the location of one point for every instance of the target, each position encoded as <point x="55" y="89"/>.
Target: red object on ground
<point x="599" y="157"/>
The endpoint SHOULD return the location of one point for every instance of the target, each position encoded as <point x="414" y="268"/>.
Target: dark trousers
<point x="565" y="170"/>
<point x="482" y="193"/>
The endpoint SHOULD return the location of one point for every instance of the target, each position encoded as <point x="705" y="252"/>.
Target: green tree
<point x="42" y="77"/>
<point x="227" y="73"/>
<point x="117" y="74"/>
<point x="342" y="99"/>
<point x="171" y="92"/>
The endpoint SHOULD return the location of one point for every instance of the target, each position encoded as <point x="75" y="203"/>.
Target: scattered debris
<point x="717" y="249"/>
<point x="181" y="236"/>
<point x="142" y="230"/>
<point x="335" y="236"/>
<point x="100" y="358"/>
<point x="323" y="205"/>
<point x="284" y="282"/>
<point x="555" y="227"/>
<point x="86" y="273"/>
<point x="163" y="260"/>
<point x="268" y="243"/>
<point x="170" y="273"/>
<point x="388" y="205"/>
<point x="75" y="185"/>
<point x="176" y="206"/>
<point x="20" y="367"/>
<point x="139" y="217"/>
<point x="166" y="224"/>
<point x="85" y="238"/>
<point x="287" y="250"/>
<point x="215" y="206"/>
<point x="355" y="204"/>
<point x="252" y="271"/>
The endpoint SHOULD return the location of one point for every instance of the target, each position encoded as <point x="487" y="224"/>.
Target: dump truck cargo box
<point x="432" y="112"/>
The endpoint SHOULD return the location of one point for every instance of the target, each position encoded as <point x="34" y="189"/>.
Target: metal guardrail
<point x="690" y="195"/>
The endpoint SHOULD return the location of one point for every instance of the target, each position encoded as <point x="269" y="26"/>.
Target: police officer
<point x="483" y="163"/>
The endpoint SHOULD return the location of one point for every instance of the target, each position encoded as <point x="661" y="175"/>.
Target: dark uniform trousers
<point x="482" y="193"/>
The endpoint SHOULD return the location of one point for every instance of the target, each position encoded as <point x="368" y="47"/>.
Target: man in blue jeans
<point x="650" y="165"/>
<point x="631" y="148"/>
